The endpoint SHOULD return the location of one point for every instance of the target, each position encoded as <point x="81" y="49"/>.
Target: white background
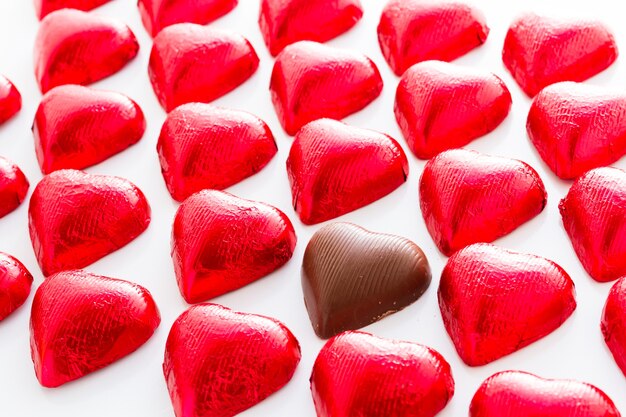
<point x="134" y="386"/>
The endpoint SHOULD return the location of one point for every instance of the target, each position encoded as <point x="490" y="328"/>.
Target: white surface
<point x="134" y="386"/>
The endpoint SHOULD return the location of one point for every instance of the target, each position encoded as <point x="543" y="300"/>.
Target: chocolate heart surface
<point x="357" y="374"/>
<point x="520" y="394"/>
<point x="412" y="31"/>
<point x="539" y="51"/>
<point x="10" y="100"/>
<point x="334" y="169"/>
<point x="203" y="146"/>
<point x="467" y="197"/>
<point x="494" y="301"/>
<point x="614" y="323"/>
<point x="77" y="218"/>
<point x="284" y="22"/>
<point x="13" y="186"/>
<point x="441" y="106"/>
<point x="251" y="357"/>
<point x="311" y="81"/>
<point x="82" y="322"/>
<point x="76" y="47"/>
<point x="193" y="63"/>
<point x="15" y="283"/>
<point x="77" y="127"/>
<point x="352" y="277"/>
<point x="221" y="243"/>
<point x="45" y="7"/>
<point x="594" y="217"/>
<point x="159" y="14"/>
<point x="577" y="127"/>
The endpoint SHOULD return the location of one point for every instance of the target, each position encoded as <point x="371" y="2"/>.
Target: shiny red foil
<point x="441" y="106"/>
<point x="75" y="47"/>
<point x="77" y="218"/>
<point x="193" y="63"/>
<point x="13" y="186"/>
<point x="494" y="301"/>
<point x="412" y="31"/>
<point x="577" y="127"/>
<point x="520" y="394"/>
<point x="219" y="362"/>
<point x="334" y="169"/>
<point x="10" y="100"/>
<point x="159" y="14"/>
<point x="539" y="51"/>
<point x="467" y="197"/>
<point x="76" y="127"/>
<point x="81" y="322"/>
<point x="221" y="243"/>
<point x="357" y="374"/>
<point x="15" y="283"/>
<point x="203" y="146"/>
<point x="311" y="81"/>
<point x="614" y="323"/>
<point x="284" y="22"/>
<point x="594" y="216"/>
<point x="45" y="7"/>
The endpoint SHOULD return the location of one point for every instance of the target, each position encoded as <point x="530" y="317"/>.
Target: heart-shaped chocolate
<point x="467" y="197"/>
<point x="15" y="283"/>
<point x="13" y="186"/>
<point x="352" y="277"/>
<point x="221" y="243"/>
<point x="45" y="7"/>
<point x="77" y="218"/>
<point x="81" y="322"/>
<point x="357" y="374"/>
<point x="219" y="362"/>
<point x="334" y="169"/>
<point x="441" y="106"/>
<point x="284" y="22"/>
<point x="577" y="127"/>
<point x="614" y="323"/>
<point x="75" y="47"/>
<point x="594" y="217"/>
<point x="539" y="51"/>
<point x="10" y="100"/>
<point x="494" y="301"/>
<point x="193" y="63"/>
<point x="203" y="146"/>
<point x="159" y="14"/>
<point x="311" y="81"/>
<point x="77" y="127"/>
<point x="412" y="31"/>
<point x="520" y="394"/>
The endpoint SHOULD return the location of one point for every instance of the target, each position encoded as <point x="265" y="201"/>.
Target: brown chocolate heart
<point x="352" y="277"/>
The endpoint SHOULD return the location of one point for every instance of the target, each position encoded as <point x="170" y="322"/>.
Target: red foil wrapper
<point x="13" y="186"/>
<point x="45" y="7"/>
<point x="15" y="283"/>
<point x="614" y="323"/>
<point x="10" y="100"/>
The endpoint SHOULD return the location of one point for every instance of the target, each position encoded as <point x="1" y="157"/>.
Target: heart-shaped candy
<point x="495" y="302"/>
<point x="614" y="323"/>
<point x="76" y="47"/>
<point x="412" y="31"/>
<point x="467" y="197"/>
<point x="594" y="217"/>
<point x="334" y="169"/>
<point x="221" y="243"/>
<point x="352" y="277"/>
<point x="284" y="22"/>
<point x="10" y="100"/>
<point x="219" y="362"/>
<point x="77" y="127"/>
<point x="159" y="14"/>
<point x="520" y="394"/>
<point x="203" y="146"/>
<point x="45" y="7"/>
<point x="576" y="127"/>
<point x="77" y="218"/>
<point x="441" y="106"/>
<point x="357" y="374"/>
<point x="15" y="283"/>
<point x="311" y="81"/>
<point x="13" y="186"/>
<point x="193" y="63"/>
<point x="539" y="51"/>
<point x="81" y="322"/>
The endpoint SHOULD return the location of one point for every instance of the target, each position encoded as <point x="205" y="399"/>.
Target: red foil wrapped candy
<point x="13" y="186"/>
<point x="10" y="100"/>
<point x="15" y="283"/>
